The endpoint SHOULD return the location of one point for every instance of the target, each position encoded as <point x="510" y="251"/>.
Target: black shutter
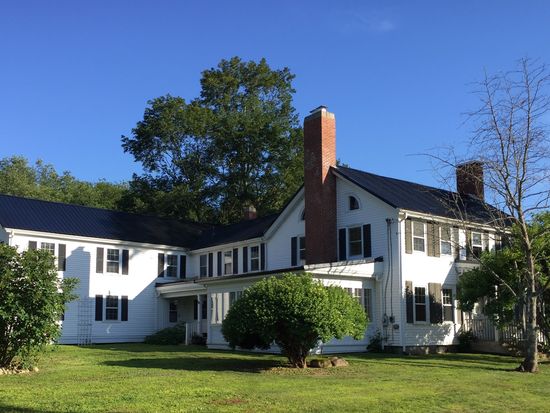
<point x="409" y="301"/>
<point x="160" y="264"/>
<point x="183" y="266"/>
<point x="62" y="257"/>
<point x="293" y="251"/>
<point x="436" y="308"/>
<point x="245" y="259"/>
<point x="220" y="257"/>
<point x="210" y="264"/>
<point x="32" y="245"/>
<point x="98" y="308"/>
<point x="124" y="308"/>
<point x="195" y="309"/>
<point x="408" y="237"/>
<point x="125" y="262"/>
<point x="235" y="260"/>
<point x="367" y="244"/>
<point x="99" y="260"/>
<point x="342" y="254"/>
<point x="262" y="256"/>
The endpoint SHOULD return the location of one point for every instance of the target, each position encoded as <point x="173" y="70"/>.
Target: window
<point x="302" y="248"/>
<point x="111" y="307"/>
<point x="173" y="312"/>
<point x="113" y="258"/>
<point x="418" y="236"/>
<point x="420" y="303"/>
<point x="446" y="240"/>
<point x="228" y="262"/>
<point x="254" y="258"/>
<point x="48" y="246"/>
<point x="355" y="243"/>
<point x="447" y="300"/>
<point x="367" y="302"/>
<point x="353" y="203"/>
<point x="477" y="244"/>
<point x="172" y="266"/>
<point x="303" y="215"/>
<point x="203" y="265"/>
<point x="204" y="308"/>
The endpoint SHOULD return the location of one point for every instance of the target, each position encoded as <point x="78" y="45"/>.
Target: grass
<point x="138" y="377"/>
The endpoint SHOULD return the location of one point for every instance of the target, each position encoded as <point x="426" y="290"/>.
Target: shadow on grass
<point x="450" y="361"/>
<point x="242" y="365"/>
<point x="15" y="409"/>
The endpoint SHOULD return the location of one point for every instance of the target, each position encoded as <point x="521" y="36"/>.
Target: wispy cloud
<point x="375" y="21"/>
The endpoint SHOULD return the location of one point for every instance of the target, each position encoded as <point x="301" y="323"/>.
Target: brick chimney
<point x="320" y="186"/>
<point x="249" y="213"/>
<point x="469" y="179"/>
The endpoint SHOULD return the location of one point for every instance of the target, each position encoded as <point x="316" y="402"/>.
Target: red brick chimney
<point x="249" y="213"/>
<point x="320" y="186"/>
<point x="469" y="179"/>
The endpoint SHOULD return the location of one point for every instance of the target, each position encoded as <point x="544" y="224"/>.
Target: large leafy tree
<point x="239" y="143"/>
<point x="295" y="312"/>
<point x="32" y="301"/>
<point x="42" y="181"/>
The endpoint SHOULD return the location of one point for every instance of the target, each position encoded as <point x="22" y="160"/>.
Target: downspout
<point x="401" y="217"/>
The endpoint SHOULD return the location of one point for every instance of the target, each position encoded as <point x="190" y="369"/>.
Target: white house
<point x="395" y="245"/>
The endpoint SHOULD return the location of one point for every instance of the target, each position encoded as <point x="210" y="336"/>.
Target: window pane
<point x="353" y="203"/>
<point x="420" y="312"/>
<point x="420" y="303"/>
<point x="445" y="233"/>
<point x="418" y="244"/>
<point x="355" y="244"/>
<point x="254" y="258"/>
<point x="111" y="307"/>
<point x="112" y="266"/>
<point x="254" y="252"/>
<point x="446" y="247"/>
<point x="418" y="229"/>
<point x="302" y="244"/>
<point x="48" y="246"/>
<point x="355" y="234"/>
<point x="476" y="238"/>
<point x="112" y="255"/>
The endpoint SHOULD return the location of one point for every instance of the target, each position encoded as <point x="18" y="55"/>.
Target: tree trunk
<point x="530" y="363"/>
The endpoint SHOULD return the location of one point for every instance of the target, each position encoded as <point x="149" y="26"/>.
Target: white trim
<point x="218" y="247"/>
<point x="283" y="214"/>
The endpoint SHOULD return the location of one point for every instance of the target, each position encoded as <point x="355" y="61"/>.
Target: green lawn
<point x="137" y="377"/>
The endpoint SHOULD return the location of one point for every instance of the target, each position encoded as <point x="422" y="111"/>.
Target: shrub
<point x="375" y="343"/>
<point x="198" y="339"/>
<point x="295" y="312"/>
<point x="169" y="335"/>
<point x="32" y="301"/>
<point x="465" y="340"/>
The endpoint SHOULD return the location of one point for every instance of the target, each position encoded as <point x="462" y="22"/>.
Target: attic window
<point x="353" y="203"/>
<point x="303" y="215"/>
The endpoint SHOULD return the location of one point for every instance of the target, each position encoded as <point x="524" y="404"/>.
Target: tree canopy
<point x="42" y="181"/>
<point x="237" y="144"/>
<point x="295" y="312"/>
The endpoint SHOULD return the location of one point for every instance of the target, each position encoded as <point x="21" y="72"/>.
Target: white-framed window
<point x="303" y="215"/>
<point x="255" y="258"/>
<point x="420" y="313"/>
<point x="172" y="266"/>
<point x="353" y="203"/>
<point x="173" y="312"/>
<point x="302" y="248"/>
<point x="355" y="242"/>
<point x="228" y="262"/>
<point x="203" y="265"/>
<point x="419" y="236"/>
<point x="111" y="307"/>
<point x="447" y="301"/>
<point x="477" y="243"/>
<point x="446" y="245"/>
<point x="113" y="260"/>
<point x="48" y="246"/>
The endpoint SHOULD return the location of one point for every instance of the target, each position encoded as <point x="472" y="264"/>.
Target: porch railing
<point x="191" y="329"/>
<point x="482" y="328"/>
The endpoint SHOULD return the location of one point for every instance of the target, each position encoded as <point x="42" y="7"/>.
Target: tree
<point x="41" y="181"/>
<point x="32" y="301"/>
<point x="295" y="312"/>
<point x="511" y="140"/>
<point x="499" y="283"/>
<point x="238" y="144"/>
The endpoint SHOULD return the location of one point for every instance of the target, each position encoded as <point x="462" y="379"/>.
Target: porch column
<point x="199" y="313"/>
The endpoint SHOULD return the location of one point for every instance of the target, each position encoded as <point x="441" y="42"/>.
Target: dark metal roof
<point x="240" y="231"/>
<point x="420" y="198"/>
<point x="55" y="217"/>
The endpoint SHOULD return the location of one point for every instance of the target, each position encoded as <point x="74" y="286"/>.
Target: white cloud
<point x="364" y="21"/>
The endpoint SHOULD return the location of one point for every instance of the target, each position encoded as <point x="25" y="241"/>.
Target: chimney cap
<point x="318" y="109"/>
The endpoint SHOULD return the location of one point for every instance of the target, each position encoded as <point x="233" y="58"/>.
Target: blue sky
<point x="75" y="75"/>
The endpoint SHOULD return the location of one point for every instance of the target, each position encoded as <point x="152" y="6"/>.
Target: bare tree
<point x="511" y="141"/>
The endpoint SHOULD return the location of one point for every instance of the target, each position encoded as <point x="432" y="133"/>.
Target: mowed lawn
<point x="137" y="377"/>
